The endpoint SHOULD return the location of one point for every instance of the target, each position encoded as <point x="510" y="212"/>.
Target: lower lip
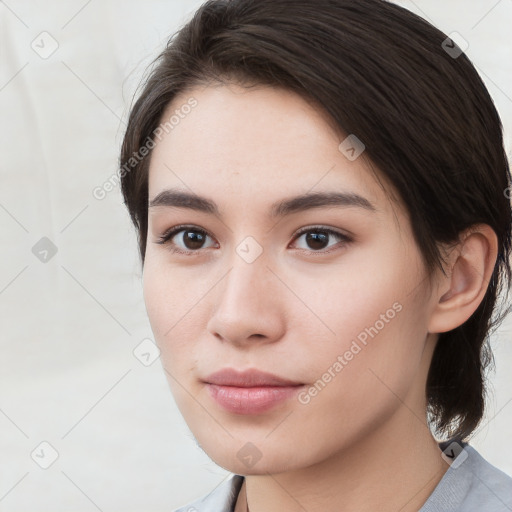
<point x="251" y="400"/>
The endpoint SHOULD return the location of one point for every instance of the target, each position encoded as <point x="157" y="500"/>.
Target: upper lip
<point x="247" y="379"/>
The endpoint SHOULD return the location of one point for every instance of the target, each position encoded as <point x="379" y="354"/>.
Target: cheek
<point x="170" y="299"/>
<point x="359" y="380"/>
<point x="169" y="306"/>
<point x="373" y="326"/>
<point x="171" y="293"/>
<point x="359" y="300"/>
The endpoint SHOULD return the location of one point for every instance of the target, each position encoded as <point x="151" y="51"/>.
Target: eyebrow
<point x="174" y="198"/>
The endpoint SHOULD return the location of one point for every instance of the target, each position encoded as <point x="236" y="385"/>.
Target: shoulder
<point x="471" y="484"/>
<point x="491" y="486"/>
<point x="220" y="499"/>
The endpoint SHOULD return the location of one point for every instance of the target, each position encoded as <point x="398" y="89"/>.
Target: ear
<point x="462" y="289"/>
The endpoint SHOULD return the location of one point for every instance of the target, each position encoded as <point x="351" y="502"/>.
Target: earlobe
<point x="462" y="289"/>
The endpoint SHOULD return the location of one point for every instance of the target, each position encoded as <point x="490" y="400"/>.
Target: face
<point x="330" y="294"/>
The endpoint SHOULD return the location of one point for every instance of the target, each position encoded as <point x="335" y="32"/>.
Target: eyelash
<point x="165" y="238"/>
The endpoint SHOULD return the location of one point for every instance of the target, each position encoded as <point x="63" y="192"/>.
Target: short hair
<point x="408" y="93"/>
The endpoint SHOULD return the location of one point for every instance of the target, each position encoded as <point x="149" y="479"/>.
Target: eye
<point x="192" y="239"/>
<point x="189" y="242"/>
<point x="317" y="238"/>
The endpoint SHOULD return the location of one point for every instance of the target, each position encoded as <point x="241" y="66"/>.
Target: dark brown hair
<point x="422" y="111"/>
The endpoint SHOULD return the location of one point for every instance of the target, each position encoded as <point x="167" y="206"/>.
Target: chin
<point x="244" y="457"/>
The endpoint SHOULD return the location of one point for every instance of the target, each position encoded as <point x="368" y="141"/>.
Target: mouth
<point x="251" y="391"/>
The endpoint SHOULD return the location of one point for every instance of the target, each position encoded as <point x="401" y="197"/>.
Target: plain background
<point x="69" y="326"/>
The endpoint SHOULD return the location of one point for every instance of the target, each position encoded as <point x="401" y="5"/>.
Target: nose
<point x="247" y="305"/>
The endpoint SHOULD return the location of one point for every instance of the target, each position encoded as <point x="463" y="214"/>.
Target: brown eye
<point x="317" y="239"/>
<point x="193" y="239"/>
<point x="184" y="239"/>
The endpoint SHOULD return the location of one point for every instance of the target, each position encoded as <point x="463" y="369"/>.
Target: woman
<point x="320" y="194"/>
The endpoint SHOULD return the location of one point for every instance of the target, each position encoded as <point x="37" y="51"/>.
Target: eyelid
<point x="174" y="230"/>
<point x="344" y="238"/>
<point x="325" y="229"/>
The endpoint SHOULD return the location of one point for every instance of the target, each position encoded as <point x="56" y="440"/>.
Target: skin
<point x="362" y="442"/>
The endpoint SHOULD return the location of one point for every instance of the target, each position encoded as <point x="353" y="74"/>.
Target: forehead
<point x="258" y="145"/>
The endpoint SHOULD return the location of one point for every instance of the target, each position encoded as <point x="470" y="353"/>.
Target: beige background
<point x="68" y="375"/>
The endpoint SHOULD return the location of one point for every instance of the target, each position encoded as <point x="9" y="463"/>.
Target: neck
<point x="385" y="473"/>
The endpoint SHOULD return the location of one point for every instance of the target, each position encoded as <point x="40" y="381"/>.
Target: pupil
<point x="315" y="239"/>
<point x="193" y="238"/>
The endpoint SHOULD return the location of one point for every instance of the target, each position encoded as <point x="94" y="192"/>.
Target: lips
<point x="248" y="379"/>
<point x="251" y="391"/>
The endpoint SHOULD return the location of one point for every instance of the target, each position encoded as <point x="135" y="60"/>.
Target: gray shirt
<point x="471" y="484"/>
